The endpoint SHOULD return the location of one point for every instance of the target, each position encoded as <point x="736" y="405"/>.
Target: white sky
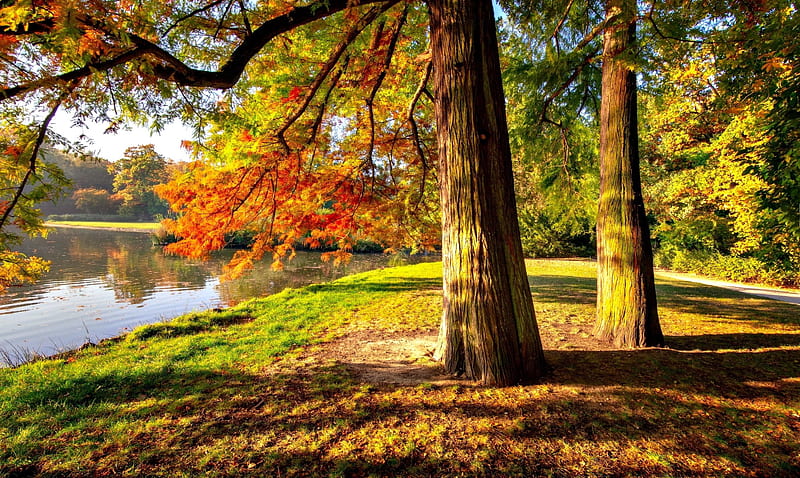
<point x="113" y="146"/>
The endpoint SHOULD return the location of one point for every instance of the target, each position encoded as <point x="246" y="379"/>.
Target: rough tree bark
<point x="489" y="330"/>
<point x="627" y="313"/>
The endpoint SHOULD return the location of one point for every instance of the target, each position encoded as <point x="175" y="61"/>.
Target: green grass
<point x="250" y="391"/>
<point x="148" y="226"/>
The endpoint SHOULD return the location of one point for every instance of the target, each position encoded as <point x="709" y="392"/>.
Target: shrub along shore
<point x="286" y="385"/>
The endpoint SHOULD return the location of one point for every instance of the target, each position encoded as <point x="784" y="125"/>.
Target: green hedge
<point x="719" y="266"/>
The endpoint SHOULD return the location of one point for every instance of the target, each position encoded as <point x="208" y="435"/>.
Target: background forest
<point x="100" y="189"/>
<point x="718" y="112"/>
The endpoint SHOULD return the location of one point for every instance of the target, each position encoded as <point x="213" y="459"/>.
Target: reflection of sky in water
<point x="102" y="283"/>
<point x="68" y="315"/>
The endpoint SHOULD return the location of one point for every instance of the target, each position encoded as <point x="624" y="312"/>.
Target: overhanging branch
<point x="327" y="67"/>
<point x="166" y="67"/>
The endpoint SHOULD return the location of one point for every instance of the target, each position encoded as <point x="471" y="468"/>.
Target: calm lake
<point x="103" y="283"/>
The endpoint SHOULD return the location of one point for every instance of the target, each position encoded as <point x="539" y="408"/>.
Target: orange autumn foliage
<point x="302" y="166"/>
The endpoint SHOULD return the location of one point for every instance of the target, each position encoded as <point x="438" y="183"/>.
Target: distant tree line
<point x="98" y="187"/>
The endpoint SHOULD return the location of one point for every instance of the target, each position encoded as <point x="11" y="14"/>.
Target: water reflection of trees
<point x="127" y="264"/>
<point x="306" y="268"/>
<point x="135" y="272"/>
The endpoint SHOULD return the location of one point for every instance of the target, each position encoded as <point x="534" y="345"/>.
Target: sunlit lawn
<point x="248" y="392"/>
<point x="149" y="226"/>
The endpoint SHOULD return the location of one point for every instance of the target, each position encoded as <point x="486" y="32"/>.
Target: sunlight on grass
<point x="248" y="392"/>
<point x="147" y="226"/>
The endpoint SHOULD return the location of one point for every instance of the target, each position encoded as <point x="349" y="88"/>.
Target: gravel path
<point x="786" y="295"/>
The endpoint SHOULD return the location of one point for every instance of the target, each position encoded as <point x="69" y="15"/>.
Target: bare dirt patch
<point x="378" y="356"/>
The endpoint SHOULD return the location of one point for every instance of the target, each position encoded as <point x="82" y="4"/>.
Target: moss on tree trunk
<point x="627" y="313"/>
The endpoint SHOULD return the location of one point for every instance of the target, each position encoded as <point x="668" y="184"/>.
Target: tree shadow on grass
<point x="711" y="342"/>
<point x="728" y="374"/>
<point x="315" y="419"/>
<point x="558" y="289"/>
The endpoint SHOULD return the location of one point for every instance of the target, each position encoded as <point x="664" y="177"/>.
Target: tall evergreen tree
<point x="489" y="328"/>
<point x="627" y="312"/>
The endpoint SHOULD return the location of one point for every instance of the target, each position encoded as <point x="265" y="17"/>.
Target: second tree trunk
<point x="627" y="314"/>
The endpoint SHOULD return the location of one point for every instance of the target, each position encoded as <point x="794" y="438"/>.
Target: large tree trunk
<point x="489" y="330"/>
<point x="627" y="314"/>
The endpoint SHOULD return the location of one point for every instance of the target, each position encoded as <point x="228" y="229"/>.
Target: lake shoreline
<point x="139" y="230"/>
<point x="104" y="282"/>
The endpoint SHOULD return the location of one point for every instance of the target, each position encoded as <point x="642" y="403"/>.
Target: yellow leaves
<point x="777" y="65"/>
<point x="91" y="43"/>
<point x="16" y="15"/>
<point x="17" y="268"/>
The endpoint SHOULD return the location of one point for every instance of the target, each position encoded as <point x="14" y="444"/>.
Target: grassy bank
<point x="286" y="386"/>
<point x="116" y="226"/>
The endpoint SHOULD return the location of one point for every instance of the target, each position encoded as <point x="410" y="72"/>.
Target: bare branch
<point x="190" y="15"/>
<point x="410" y="116"/>
<point x="222" y="19"/>
<point x="315" y="126"/>
<point x="246" y="21"/>
<point x="421" y="89"/>
<point x="387" y="62"/>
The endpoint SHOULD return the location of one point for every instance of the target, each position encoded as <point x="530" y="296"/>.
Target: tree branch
<point x="565" y="148"/>
<point x="175" y="71"/>
<point x="315" y="126"/>
<point x="410" y="116"/>
<point x="660" y="33"/>
<point x="74" y="74"/>
<point x="32" y="28"/>
<point x="415" y="131"/>
<point x="246" y="21"/>
<point x="333" y="59"/>
<point x="387" y="62"/>
<point x="597" y="30"/>
<point x="231" y="71"/>
<point x="31" y="163"/>
<point x="561" y="22"/>
<point x="190" y="15"/>
<point x="572" y="77"/>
